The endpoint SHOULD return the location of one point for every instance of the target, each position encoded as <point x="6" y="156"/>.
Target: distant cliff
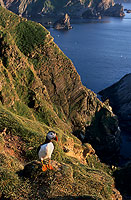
<point x="119" y="96"/>
<point x="74" y="8"/>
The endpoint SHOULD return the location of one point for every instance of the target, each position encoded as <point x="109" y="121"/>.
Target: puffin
<point x="46" y="149"/>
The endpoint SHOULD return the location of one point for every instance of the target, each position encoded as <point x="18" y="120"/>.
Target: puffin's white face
<point x="52" y="135"/>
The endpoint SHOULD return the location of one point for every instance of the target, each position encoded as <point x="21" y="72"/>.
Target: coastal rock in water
<point x="119" y="95"/>
<point x="115" y="11"/>
<point x="63" y="23"/>
<point x="128" y="11"/>
<point x="90" y="14"/>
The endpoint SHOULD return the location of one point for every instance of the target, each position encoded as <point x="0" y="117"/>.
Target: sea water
<point x="99" y="49"/>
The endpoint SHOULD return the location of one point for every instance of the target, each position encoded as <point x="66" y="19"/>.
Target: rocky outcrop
<point x="91" y="14"/>
<point x="63" y="23"/>
<point x="115" y="11"/>
<point x="119" y="96"/>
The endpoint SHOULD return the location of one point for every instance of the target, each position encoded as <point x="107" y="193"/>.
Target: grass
<point x="29" y="35"/>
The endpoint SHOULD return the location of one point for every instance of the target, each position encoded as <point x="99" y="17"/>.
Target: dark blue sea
<point x="99" y="49"/>
<point x="101" y="53"/>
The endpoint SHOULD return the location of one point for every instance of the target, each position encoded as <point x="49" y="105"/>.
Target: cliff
<point x="75" y="8"/>
<point x="40" y="90"/>
<point x="119" y="95"/>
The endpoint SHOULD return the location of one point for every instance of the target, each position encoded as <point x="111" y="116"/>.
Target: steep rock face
<point x="102" y="131"/>
<point x="75" y="8"/>
<point x="119" y="96"/>
<point x="41" y="76"/>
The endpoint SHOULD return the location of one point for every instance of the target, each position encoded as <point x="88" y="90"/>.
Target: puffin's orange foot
<point x="50" y="167"/>
<point x="44" y="168"/>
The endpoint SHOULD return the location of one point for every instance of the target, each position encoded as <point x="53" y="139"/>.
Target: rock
<point x="103" y="134"/>
<point x="119" y="95"/>
<point x="116" y="195"/>
<point x="63" y="23"/>
<point x="115" y="11"/>
<point x="2" y="3"/>
<point x="88" y="150"/>
<point x="90" y="14"/>
<point x="128" y="11"/>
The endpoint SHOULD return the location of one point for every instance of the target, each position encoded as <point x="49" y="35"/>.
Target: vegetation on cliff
<point x="40" y="90"/>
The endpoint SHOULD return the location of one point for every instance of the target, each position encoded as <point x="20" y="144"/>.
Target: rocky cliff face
<point x="41" y="76"/>
<point x="40" y="90"/>
<point x="75" y="8"/>
<point x="119" y="96"/>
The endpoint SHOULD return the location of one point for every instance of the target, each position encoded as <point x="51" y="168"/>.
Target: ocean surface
<point x="101" y="53"/>
<point x="99" y="49"/>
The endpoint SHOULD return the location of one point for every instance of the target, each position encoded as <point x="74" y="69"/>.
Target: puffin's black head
<point x="52" y="136"/>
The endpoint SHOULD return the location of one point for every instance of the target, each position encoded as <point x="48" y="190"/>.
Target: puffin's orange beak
<point x="56" y="138"/>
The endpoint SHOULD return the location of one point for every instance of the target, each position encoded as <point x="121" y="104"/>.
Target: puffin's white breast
<point x="46" y="150"/>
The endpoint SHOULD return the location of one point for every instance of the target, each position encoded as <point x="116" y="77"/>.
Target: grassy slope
<point x="27" y="114"/>
<point x="31" y="134"/>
